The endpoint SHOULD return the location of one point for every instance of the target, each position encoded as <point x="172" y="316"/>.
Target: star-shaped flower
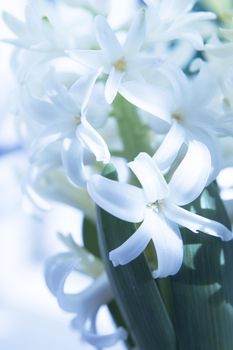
<point x="187" y="107"/>
<point x="38" y="32"/>
<point x="158" y="206"/>
<point x="172" y="19"/>
<point x="117" y="61"/>
<point x="62" y="113"/>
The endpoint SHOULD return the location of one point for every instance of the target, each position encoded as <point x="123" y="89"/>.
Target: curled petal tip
<point x="227" y="236"/>
<point x="113" y="259"/>
<point x="155" y="274"/>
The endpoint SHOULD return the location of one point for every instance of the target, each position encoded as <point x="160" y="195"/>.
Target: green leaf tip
<point x="110" y="172"/>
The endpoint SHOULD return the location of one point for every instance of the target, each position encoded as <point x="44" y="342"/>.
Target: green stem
<point x="135" y="135"/>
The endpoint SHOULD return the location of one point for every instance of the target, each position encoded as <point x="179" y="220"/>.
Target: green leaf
<point x="203" y="288"/>
<point x="136" y="293"/>
<point x="135" y="135"/>
<point x="90" y="239"/>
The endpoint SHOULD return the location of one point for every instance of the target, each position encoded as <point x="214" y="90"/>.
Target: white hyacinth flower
<point x="39" y="32"/>
<point x="157" y="206"/>
<point x="46" y="183"/>
<point x="86" y="303"/>
<point x="172" y="19"/>
<point x="188" y="108"/>
<point x="219" y="55"/>
<point x="62" y="113"/>
<point x="220" y="49"/>
<point x="118" y="62"/>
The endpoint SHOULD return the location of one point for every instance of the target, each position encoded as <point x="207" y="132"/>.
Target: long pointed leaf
<point x="203" y="289"/>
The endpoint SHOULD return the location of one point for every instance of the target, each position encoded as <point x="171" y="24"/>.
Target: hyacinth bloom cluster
<point x="72" y="80"/>
<point x="85" y="303"/>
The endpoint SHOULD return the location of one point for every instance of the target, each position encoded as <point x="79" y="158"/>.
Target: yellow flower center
<point x="120" y="65"/>
<point x="156" y="206"/>
<point x="77" y="119"/>
<point x="45" y="19"/>
<point x="178" y="117"/>
<point x="226" y="102"/>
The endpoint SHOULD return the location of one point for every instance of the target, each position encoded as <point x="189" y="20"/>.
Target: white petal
<point x="168" y="245"/>
<point x="144" y="62"/>
<point x="152" y="99"/>
<point x="150" y="177"/>
<point x="227" y="33"/>
<point x="174" y="8"/>
<point x="221" y="50"/>
<point x="93" y="141"/>
<point x="113" y="83"/>
<point x="190" y="178"/>
<point x="133" y="246"/>
<point x="122" y="200"/>
<point x="98" y="294"/>
<point x="50" y="134"/>
<point x="224" y="127"/>
<point x="81" y="90"/>
<point x="183" y="5"/>
<point x="136" y="35"/>
<point x="55" y="269"/>
<point x="104" y="341"/>
<point x="58" y="93"/>
<point x="214" y="150"/>
<point x="169" y="148"/>
<point x="32" y="19"/>
<point x="15" y="25"/>
<point x="90" y="58"/>
<point x="167" y="241"/>
<point x="72" y="160"/>
<point x="16" y="42"/>
<point x="194" y="38"/>
<point x="45" y="113"/>
<point x="86" y="302"/>
<point x="194" y="18"/>
<point x="107" y="39"/>
<point x="179" y="82"/>
<point x="204" y="86"/>
<point x="98" y="109"/>
<point x="197" y="223"/>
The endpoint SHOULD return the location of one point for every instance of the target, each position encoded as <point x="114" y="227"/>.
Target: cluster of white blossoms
<point x="72" y="61"/>
<point x="85" y="303"/>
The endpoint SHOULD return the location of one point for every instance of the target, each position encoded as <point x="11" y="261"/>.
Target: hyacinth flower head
<point x="38" y="32"/>
<point x="189" y="110"/>
<point x="62" y="115"/>
<point x="158" y="205"/>
<point x="117" y="61"/>
<point x="221" y="49"/>
<point x="173" y="19"/>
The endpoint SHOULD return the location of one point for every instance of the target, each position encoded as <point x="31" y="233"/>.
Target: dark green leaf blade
<point x="203" y="288"/>
<point x="90" y="239"/>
